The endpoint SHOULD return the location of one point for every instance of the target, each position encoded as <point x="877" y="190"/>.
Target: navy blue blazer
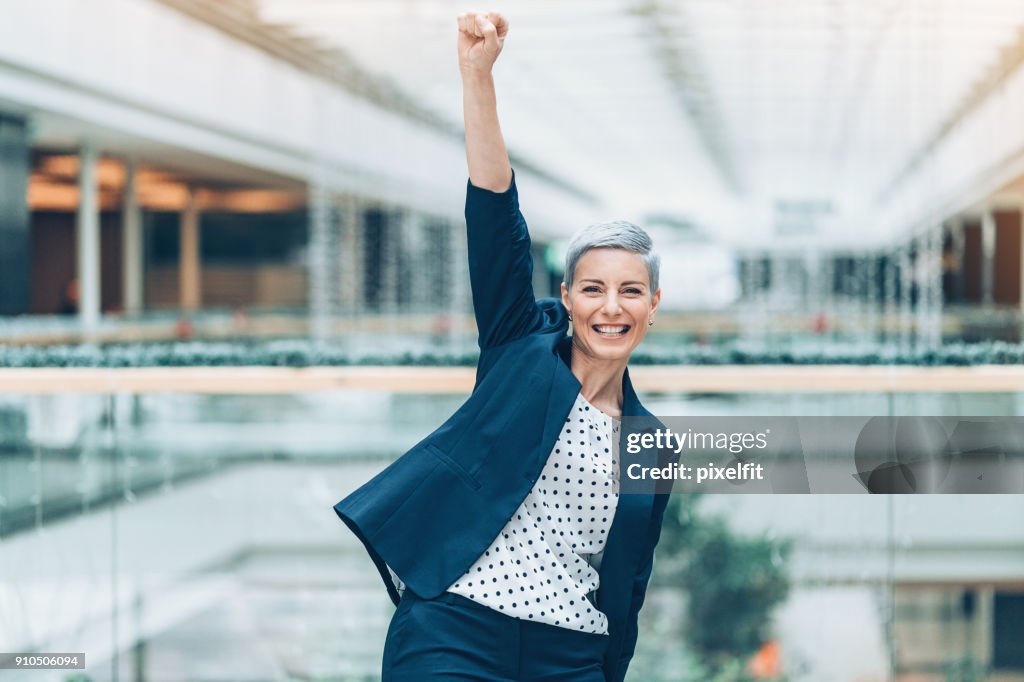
<point x="433" y="511"/>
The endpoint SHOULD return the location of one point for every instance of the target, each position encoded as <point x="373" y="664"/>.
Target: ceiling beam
<point x="240" y="19"/>
<point x="1010" y="59"/>
<point x="683" y="68"/>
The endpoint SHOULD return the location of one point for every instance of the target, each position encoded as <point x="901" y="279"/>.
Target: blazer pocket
<point x="455" y="467"/>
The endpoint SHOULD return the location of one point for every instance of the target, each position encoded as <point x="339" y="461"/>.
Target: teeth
<point x="610" y="330"/>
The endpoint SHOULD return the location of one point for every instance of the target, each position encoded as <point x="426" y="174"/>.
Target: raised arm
<point x="481" y="37"/>
<point x="500" y="261"/>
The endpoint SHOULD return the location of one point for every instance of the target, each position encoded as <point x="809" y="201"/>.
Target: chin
<point x="603" y="352"/>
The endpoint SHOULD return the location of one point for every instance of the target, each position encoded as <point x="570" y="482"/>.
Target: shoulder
<point x="534" y="349"/>
<point x="552" y="324"/>
<point x="556" y="317"/>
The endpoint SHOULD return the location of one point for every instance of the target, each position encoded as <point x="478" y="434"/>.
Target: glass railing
<point x="191" y="536"/>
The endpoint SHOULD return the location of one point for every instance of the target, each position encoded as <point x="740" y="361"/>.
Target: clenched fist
<point x="481" y="37"/>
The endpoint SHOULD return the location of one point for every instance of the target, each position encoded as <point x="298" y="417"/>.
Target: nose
<point x="611" y="304"/>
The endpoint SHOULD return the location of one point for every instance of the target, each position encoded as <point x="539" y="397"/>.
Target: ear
<point x="565" y="297"/>
<point x="655" y="300"/>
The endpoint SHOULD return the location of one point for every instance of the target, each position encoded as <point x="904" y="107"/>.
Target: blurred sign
<point x="801" y="216"/>
<point x="681" y="226"/>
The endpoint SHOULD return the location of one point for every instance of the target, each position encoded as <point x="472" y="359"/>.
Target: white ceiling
<point x="709" y="110"/>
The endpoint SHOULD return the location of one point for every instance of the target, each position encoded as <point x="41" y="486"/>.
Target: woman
<point x="510" y="542"/>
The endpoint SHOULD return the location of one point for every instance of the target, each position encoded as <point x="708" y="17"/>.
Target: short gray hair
<point x="617" y="234"/>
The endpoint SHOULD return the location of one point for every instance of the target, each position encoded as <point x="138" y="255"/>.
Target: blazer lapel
<point x="564" y="389"/>
<point x="630" y="532"/>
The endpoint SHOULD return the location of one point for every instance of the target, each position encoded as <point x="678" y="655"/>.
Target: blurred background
<point x="820" y="176"/>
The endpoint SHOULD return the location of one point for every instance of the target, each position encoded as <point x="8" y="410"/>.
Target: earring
<point x="570" y="317"/>
<point x="650" y="322"/>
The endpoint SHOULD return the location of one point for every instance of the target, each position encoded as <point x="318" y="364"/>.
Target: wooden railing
<point x="459" y="380"/>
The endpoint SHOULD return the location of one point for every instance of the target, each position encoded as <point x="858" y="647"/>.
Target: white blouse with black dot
<point x="543" y="563"/>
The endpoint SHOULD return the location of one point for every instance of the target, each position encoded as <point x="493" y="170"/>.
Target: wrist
<point x="476" y="75"/>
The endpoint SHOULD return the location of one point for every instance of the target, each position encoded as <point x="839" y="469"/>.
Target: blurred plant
<point x="733" y="670"/>
<point x="677" y="530"/>
<point x="301" y="352"/>
<point x="965" y="669"/>
<point x="733" y="584"/>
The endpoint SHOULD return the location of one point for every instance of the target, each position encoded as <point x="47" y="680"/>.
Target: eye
<point x="633" y="290"/>
<point x="590" y="288"/>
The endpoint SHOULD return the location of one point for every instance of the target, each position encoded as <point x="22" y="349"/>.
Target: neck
<point x="601" y="380"/>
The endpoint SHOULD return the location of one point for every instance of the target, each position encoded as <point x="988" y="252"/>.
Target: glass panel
<point x="180" y="536"/>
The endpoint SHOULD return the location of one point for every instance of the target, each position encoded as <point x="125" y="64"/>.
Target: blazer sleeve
<point x="640" y="581"/>
<point x="500" y="266"/>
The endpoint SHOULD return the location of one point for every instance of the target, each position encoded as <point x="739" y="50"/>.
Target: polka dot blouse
<point x="544" y="563"/>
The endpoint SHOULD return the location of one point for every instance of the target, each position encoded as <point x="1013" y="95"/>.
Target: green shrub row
<point x="305" y="353"/>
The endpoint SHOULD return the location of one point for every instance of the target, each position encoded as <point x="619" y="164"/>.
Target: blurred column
<point x="1006" y="259"/>
<point x="842" y="269"/>
<point x="923" y="299"/>
<point x="871" y="296"/>
<point x="906" y="282"/>
<point x="371" y="256"/>
<point x="753" y="325"/>
<point x="422" y="267"/>
<point x="860" y="292"/>
<point x="890" y="306"/>
<point x="775" y="320"/>
<point x="957" y="232"/>
<point x="351" y="251"/>
<point x="938" y="297"/>
<point x="317" y="261"/>
<point x="828" y="301"/>
<point x="981" y="643"/>
<point x="87" y="228"/>
<point x="461" y="300"/>
<point x="443" y="249"/>
<point x="758" y="321"/>
<point x="387" y="286"/>
<point x="440" y="247"/>
<point x="1020" y="258"/>
<point x="931" y="287"/>
<point x="131" y="242"/>
<point x="403" y="226"/>
<point x="973" y="260"/>
<point x="440" y="270"/>
<point x="988" y="248"/>
<point x="813" y="293"/>
<point x="15" y="228"/>
<point x="772" y="282"/>
<point x="746" y="277"/>
<point x="190" y="290"/>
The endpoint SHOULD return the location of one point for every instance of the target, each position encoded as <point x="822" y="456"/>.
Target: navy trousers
<point x="453" y="638"/>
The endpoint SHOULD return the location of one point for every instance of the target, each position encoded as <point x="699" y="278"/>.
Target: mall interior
<point x="822" y="178"/>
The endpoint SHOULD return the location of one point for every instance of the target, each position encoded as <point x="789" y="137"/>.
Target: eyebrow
<point x="598" y="281"/>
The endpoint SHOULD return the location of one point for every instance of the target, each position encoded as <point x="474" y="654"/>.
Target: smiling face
<point x="611" y="303"/>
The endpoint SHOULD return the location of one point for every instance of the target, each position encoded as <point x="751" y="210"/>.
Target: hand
<point x="481" y="37"/>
